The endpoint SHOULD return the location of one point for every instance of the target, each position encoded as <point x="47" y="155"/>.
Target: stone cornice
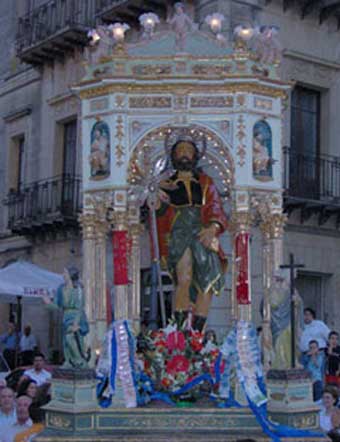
<point x="19" y="81"/>
<point x="311" y="59"/>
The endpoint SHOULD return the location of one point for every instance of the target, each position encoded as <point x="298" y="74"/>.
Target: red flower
<point x="196" y="334"/>
<point x="214" y="353"/>
<point x="196" y="345"/>
<point x="160" y="343"/>
<point x="175" y="341"/>
<point x="157" y="334"/>
<point x="165" y="382"/>
<point x="177" y="364"/>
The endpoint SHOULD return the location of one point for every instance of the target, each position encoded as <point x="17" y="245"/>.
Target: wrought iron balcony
<point x="53" y="29"/>
<point x="128" y="10"/>
<point x="45" y="206"/>
<point x="325" y="9"/>
<point x="312" y="184"/>
<point x="57" y="27"/>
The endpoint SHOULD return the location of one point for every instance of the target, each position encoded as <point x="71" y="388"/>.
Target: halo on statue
<point x="198" y="138"/>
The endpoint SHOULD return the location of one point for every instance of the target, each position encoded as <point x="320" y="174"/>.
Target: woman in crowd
<point x="330" y="414"/>
<point x="29" y="388"/>
<point x="333" y="359"/>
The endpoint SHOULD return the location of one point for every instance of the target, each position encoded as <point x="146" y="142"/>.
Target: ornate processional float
<point x="186" y="126"/>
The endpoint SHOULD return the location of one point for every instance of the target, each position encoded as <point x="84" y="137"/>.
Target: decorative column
<point x="272" y="228"/>
<point x="95" y="228"/>
<point x="88" y="222"/>
<point x="120" y="265"/>
<point x="241" y="224"/>
<point x="102" y="228"/>
<point x="134" y="295"/>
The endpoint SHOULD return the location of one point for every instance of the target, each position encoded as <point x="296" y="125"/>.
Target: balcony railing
<point x="314" y="177"/>
<point x="312" y="184"/>
<point x="56" y="27"/>
<point x="46" y="205"/>
<point x="53" y="28"/>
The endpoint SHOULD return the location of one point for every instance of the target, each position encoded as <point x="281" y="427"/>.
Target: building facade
<point x="42" y="43"/>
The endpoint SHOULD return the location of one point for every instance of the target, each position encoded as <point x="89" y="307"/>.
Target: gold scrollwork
<point x="58" y="421"/>
<point x="120" y="149"/>
<point x="241" y="134"/>
<point x="241" y="221"/>
<point x="272" y="225"/>
<point x="249" y="87"/>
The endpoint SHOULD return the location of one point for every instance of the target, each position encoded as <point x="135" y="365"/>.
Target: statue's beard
<point x="184" y="163"/>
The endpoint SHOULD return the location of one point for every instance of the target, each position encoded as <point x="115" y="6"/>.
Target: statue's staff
<point x="292" y="266"/>
<point x="148" y="191"/>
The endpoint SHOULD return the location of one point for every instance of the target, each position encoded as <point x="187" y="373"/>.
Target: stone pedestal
<point x="74" y="401"/>
<point x="290" y="399"/>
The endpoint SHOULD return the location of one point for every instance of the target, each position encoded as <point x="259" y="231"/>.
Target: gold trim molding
<point x="250" y="87"/>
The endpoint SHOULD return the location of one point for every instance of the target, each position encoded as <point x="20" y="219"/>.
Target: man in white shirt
<point x="38" y="373"/>
<point x="314" y="330"/>
<point x="8" y="414"/>
<point x="28" y="345"/>
<point x="22" y="422"/>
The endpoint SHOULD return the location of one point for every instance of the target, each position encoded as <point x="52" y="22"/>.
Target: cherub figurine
<point x="267" y="45"/>
<point x="180" y="24"/>
<point x="101" y="44"/>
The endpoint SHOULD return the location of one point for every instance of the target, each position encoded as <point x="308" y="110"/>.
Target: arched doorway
<point x="216" y="162"/>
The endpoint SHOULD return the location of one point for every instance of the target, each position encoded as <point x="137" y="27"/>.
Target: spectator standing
<point x="8" y="414"/>
<point x="314" y="330"/>
<point x="333" y="359"/>
<point x="10" y="342"/>
<point x="38" y="373"/>
<point x="329" y="413"/>
<point x="314" y="363"/>
<point x="28" y="434"/>
<point x="22" y="423"/>
<point x="28" y="345"/>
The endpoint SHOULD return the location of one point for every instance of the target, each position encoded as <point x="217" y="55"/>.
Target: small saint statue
<point x="180" y="24"/>
<point x="70" y="301"/>
<point x="280" y="305"/>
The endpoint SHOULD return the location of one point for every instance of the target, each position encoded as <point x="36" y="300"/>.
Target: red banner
<point x="242" y="268"/>
<point x="120" y="257"/>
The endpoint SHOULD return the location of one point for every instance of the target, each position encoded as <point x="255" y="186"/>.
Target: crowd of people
<point x="21" y="412"/>
<point x="18" y="349"/>
<point x="320" y="356"/>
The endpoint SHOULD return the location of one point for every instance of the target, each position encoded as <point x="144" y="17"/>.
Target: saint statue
<point x="280" y="305"/>
<point x="70" y="301"/>
<point x="99" y="157"/>
<point x="190" y="218"/>
<point x="181" y="23"/>
<point x="261" y="157"/>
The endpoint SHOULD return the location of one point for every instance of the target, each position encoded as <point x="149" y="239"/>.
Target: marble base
<point x="290" y="399"/>
<point x="153" y="424"/>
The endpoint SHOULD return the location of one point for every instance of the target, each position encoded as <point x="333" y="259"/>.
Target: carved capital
<point x="241" y="221"/>
<point x="87" y="222"/>
<point x="119" y="220"/>
<point x="135" y="231"/>
<point x="272" y="225"/>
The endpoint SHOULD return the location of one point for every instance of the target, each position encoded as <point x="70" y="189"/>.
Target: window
<point x="69" y="188"/>
<point x="16" y="168"/>
<point x="70" y="148"/>
<point x="312" y="291"/>
<point x="304" y="169"/>
<point x="305" y="120"/>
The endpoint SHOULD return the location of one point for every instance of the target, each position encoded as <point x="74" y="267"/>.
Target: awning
<point x="28" y="281"/>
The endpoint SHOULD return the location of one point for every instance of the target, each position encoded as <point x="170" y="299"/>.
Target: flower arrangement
<point x="179" y="358"/>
